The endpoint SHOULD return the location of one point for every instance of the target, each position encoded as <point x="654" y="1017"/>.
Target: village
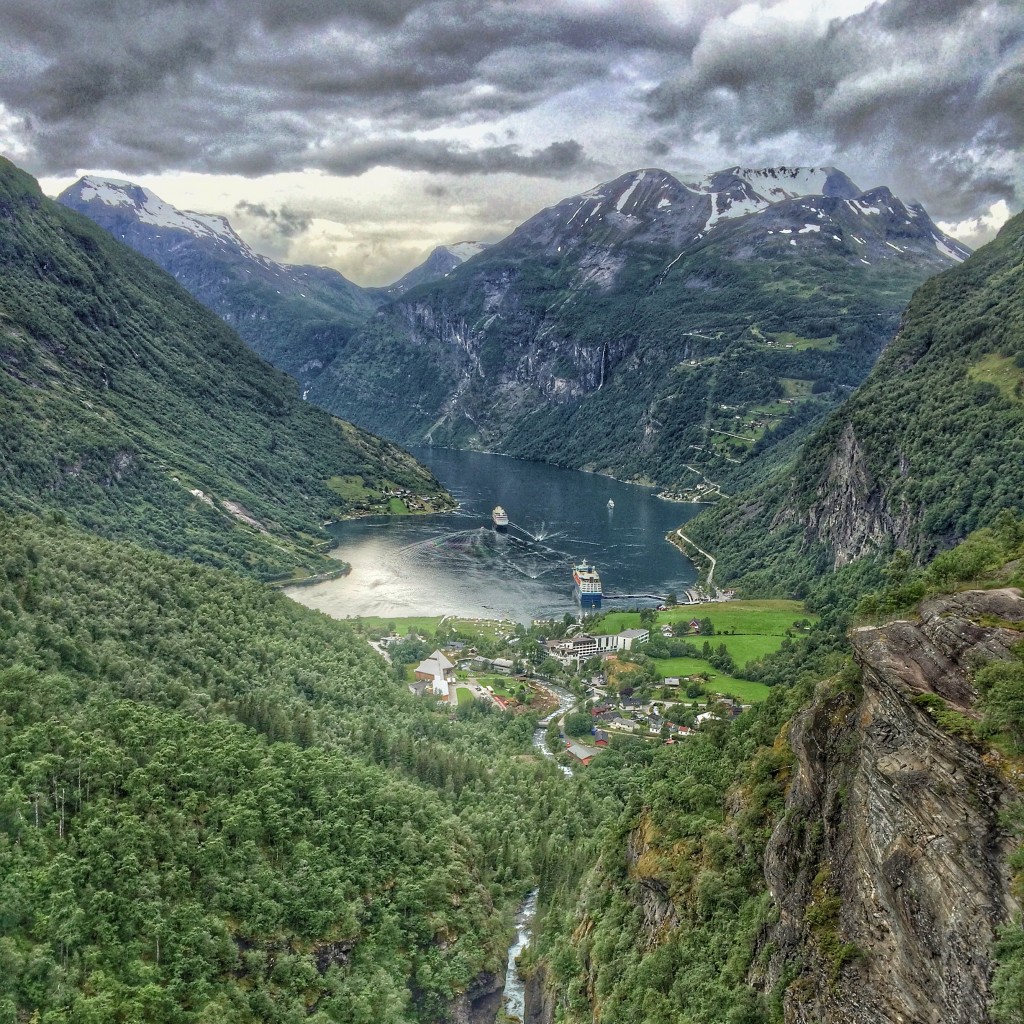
<point x="650" y="676"/>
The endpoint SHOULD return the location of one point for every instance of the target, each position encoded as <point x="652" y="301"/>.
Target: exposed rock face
<point x="540" y="999"/>
<point x="889" y="867"/>
<point x="851" y="515"/>
<point x="480" y="1003"/>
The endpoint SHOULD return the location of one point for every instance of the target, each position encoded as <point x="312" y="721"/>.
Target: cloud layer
<point x="926" y="96"/>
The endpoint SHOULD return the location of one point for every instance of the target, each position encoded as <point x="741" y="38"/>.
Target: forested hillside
<point x="774" y="868"/>
<point x="929" y="448"/>
<point x="217" y="805"/>
<point x="136" y="412"/>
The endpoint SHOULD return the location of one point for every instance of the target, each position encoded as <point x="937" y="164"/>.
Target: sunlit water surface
<point x="458" y="564"/>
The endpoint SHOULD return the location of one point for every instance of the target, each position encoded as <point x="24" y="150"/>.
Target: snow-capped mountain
<point x="297" y="317"/>
<point x="818" y="207"/>
<point x="147" y="207"/>
<point x="628" y="328"/>
<point x="440" y="263"/>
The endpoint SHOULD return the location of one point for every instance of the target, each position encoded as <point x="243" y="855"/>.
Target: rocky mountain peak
<point x="147" y="207"/>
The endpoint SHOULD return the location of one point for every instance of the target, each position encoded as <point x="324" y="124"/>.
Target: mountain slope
<point x="645" y="325"/>
<point x="134" y="410"/>
<point x="929" y="448"/>
<point x="216" y="805"/>
<point x="296" y="317"/>
<point x="440" y="263"/>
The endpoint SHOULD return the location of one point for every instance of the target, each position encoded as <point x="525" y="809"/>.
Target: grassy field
<point x="743" y="689"/>
<point x="1002" y="371"/>
<point x="767" y="618"/>
<point x="428" y="624"/>
<point x="464" y="694"/>
<point x="755" y="628"/>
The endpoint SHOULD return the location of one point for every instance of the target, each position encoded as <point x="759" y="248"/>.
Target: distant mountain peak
<point x="149" y="208"/>
<point x="443" y="259"/>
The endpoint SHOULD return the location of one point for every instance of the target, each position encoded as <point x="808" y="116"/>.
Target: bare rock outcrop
<point x="889" y="867"/>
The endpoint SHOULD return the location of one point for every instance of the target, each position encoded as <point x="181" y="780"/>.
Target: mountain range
<point x="217" y="805"/>
<point x="296" y="317"/>
<point x="646" y="328"/>
<point x="930" y="447"/>
<point x="650" y="329"/>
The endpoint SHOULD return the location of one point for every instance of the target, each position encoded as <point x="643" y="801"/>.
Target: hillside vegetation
<point x="121" y="396"/>
<point x="929" y="448"/>
<point x="217" y="805"/>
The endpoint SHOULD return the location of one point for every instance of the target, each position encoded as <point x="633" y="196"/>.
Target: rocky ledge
<point x="889" y="867"/>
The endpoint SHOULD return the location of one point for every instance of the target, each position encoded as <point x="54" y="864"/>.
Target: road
<point x="707" y="555"/>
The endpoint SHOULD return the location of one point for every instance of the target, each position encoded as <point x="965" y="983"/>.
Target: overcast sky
<point x="361" y="133"/>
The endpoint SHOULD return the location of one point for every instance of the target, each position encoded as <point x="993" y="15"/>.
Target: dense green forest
<point x="930" y="447"/>
<point x="217" y="805"/>
<point x="121" y="396"/>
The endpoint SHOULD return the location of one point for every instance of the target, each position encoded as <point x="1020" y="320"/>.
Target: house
<point x="502" y="665"/>
<point x="600" y="738"/>
<point x="618" y="722"/>
<point x="438" y="671"/>
<point x="582" y="752"/>
<point x="695" y="625"/>
<point x="708" y="716"/>
<point x="672" y="681"/>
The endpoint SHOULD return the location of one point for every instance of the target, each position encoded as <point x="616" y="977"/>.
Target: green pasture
<point x="769" y="617"/>
<point x="428" y="624"/>
<point x="743" y="689"/>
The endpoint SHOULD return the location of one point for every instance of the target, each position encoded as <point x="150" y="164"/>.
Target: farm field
<point x="742" y="689"/>
<point x="770" y="618"/>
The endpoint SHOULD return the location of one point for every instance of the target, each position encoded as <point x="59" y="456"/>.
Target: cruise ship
<point x="500" y="519"/>
<point x="587" y="585"/>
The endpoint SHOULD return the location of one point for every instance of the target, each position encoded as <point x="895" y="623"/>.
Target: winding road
<point x="708" y="556"/>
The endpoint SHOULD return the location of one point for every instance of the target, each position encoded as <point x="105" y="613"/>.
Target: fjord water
<point x="458" y="564"/>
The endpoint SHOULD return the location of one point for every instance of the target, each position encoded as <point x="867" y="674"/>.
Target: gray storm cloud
<point x="926" y="96"/>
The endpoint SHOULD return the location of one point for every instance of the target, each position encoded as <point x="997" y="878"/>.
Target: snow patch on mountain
<point x="149" y="208"/>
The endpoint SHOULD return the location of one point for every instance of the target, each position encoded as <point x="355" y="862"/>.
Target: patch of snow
<point x="663" y="202"/>
<point x="896" y="247"/>
<point x="737" y="208"/>
<point x="151" y="209"/>
<point x="865" y="261"/>
<point x="792" y="241"/>
<point x="809" y="227"/>
<point x="776" y="183"/>
<point x="573" y="217"/>
<point x="947" y="251"/>
<point x="785" y="231"/>
<point x="629" y="191"/>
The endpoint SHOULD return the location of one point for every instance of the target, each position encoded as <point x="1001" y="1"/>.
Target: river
<point x="457" y="564"/>
<point x="515" y="990"/>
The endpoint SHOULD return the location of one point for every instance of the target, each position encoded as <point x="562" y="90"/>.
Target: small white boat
<point x="611" y="504"/>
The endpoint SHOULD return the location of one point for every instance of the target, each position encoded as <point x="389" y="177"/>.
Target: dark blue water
<point x="457" y="564"/>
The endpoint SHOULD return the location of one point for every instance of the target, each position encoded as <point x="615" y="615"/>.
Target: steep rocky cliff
<point x="889" y="867"/>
